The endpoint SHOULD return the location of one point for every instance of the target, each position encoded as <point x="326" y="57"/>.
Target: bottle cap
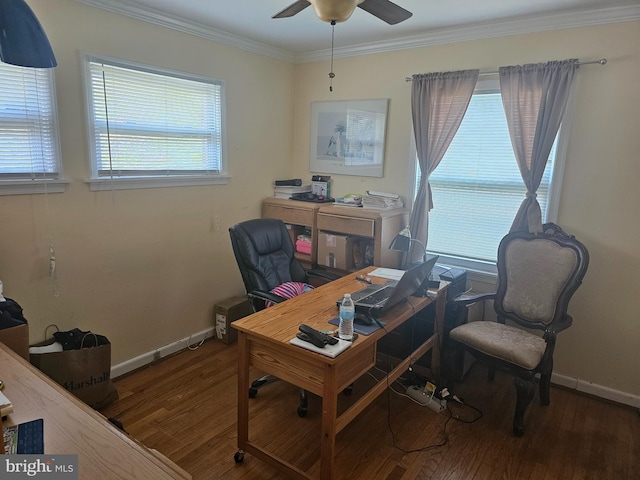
<point x="347" y="295"/>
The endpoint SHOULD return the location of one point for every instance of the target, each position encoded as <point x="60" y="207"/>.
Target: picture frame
<point x="348" y="137"/>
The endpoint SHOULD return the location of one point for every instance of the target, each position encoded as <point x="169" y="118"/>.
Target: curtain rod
<point x="602" y="61"/>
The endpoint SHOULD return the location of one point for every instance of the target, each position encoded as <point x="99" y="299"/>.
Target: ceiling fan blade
<point x="386" y="11"/>
<point x="292" y="9"/>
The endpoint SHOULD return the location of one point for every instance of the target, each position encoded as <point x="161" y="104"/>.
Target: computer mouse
<point x="362" y="319"/>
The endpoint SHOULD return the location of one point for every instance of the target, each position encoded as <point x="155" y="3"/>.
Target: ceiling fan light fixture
<point x="331" y="10"/>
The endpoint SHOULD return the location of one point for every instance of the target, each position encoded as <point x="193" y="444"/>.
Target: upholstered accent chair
<point x="271" y="273"/>
<point x="537" y="276"/>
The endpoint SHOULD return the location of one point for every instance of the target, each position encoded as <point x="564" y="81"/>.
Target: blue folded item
<point x="361" y="329"/>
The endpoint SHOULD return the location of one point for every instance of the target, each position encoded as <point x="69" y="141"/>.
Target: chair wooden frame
<point x="559" y="321"/>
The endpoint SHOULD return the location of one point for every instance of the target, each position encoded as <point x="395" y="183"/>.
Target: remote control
<point x="316" y="337"/>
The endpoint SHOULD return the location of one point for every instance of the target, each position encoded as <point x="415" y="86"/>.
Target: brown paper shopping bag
<point x="85" y="372"/>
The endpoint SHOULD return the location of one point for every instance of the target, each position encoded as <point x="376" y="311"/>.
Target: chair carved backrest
<point x="537" y="276"/>
<point x="265" y="254"/>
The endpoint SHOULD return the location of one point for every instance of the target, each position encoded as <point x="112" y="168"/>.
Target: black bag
<point x="11" y="314"/>
<point x="76" y="339"/>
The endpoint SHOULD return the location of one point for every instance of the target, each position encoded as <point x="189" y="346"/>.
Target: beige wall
<point x="600" y="201"/>
<point x="143" y="267"/>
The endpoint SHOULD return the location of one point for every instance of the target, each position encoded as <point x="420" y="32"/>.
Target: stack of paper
<point x="287" y="191"/>
<point x="381" y="201"/>
<point x="350" y="200"/>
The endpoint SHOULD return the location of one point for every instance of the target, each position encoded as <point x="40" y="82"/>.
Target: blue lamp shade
<point x="22" y="39"/>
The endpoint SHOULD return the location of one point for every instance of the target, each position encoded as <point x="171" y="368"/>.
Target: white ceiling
<point x="304" y="37"/>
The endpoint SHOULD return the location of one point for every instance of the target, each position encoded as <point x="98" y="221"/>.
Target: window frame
<point x="485" y="270"/>
<point x="28" y="183"/>
<point x="102" y="183"/>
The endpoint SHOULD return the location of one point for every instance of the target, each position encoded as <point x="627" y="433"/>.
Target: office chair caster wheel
<point x="239" y="456"/>
<point x="302" y="403"/>
<point x="253" y="392"/>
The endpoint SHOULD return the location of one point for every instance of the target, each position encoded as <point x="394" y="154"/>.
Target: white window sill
<point x="128" y="183"/>
<point x="29" y="187"/>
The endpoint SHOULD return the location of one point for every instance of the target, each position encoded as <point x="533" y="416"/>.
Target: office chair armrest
<point x="468" y="300"/>
<point x="329" y="276"/>
<point x="266" y="296"/>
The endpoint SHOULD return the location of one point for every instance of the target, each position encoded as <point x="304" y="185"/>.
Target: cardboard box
<point x="225" y="313"/>
<point x="17" y="339"/>
<point x="335" y="251"/>
<point x="321" y="185"/>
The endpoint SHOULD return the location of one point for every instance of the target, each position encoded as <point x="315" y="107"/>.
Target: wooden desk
<point x="71" y="427"/>
<point x="263" y="342"/>
<point x="381" y="226"/>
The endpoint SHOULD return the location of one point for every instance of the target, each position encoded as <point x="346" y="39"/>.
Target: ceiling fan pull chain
<point x="331" y="74"/>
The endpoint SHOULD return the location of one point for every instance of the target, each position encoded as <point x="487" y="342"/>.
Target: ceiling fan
<point x="336" y="11"/>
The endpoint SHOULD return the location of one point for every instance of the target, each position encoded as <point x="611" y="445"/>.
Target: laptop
<point x="379" y="299"/>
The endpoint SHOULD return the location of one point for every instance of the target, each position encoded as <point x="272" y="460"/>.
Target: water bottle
<point x="347" y="312"/>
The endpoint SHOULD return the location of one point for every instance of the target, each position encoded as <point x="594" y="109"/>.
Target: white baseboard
<point x="558" y="379"/>
<point x="147" y="358"/>
<point x="596" y="390"/>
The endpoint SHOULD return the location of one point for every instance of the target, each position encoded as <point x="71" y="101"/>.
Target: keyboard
<point x="30" y="438"/>
<point x="375" y="298"/>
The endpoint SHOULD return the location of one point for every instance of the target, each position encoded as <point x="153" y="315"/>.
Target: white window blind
<point x="28" y="124"/>
<point x="152" y="123"/>
<point x="477" y="187"/>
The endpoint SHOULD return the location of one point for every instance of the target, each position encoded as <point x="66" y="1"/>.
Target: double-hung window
<point x="29" y="145"/>
<point x="152" y="127"/>
<point x="477" y="187"/>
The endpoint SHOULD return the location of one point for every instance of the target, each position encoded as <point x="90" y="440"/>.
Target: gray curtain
<point x="438" y="102"/>
<point x="535" y="98"/>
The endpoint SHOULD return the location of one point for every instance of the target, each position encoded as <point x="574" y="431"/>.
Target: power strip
<point x="423" y="398"/>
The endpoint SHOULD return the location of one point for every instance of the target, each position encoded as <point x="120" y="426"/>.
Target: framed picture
<point x="347" y="137"/>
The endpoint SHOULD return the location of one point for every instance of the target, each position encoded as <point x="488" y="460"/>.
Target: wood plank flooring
<point x="185" y="407"/>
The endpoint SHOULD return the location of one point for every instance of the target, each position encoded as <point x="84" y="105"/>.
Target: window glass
<point x="477" y="187"/>
<point x="148" y="123"/>
<point x="28" y="124"/>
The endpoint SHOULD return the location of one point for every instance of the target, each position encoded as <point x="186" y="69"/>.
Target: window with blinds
<point x="29" y="149"/>
<point x="151" y="123"/>
<point x="477" y="187"/>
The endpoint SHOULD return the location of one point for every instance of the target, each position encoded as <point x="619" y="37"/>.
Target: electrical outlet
<point x="426" y="399"/>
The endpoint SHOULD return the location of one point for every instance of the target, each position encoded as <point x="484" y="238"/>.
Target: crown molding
<point x="163" y="19"/>
<point x="482" y="30"/>
<point x="434" y="37"/>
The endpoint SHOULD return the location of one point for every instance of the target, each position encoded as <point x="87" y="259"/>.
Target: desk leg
<point x="243" y="390"/>
<point x="329" y="418"/>
<point x="441" y="302"/>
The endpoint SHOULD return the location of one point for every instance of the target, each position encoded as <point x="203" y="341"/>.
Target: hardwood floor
<point x="185" y="407"/>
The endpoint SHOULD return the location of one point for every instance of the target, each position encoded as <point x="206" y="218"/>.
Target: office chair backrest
<point x="265" y="254"/>
<point x="537" y="276"/>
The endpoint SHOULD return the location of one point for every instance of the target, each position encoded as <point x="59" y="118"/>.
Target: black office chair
<point x="266" y="258"/>
<point x="537" y="276"/>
